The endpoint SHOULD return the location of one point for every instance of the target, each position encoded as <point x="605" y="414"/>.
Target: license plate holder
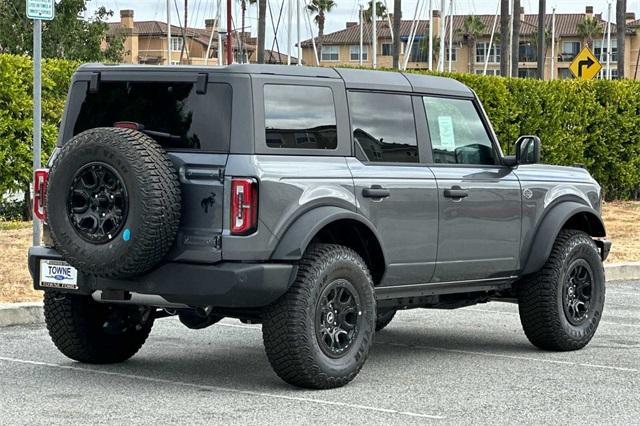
<point x="58" y="274"/>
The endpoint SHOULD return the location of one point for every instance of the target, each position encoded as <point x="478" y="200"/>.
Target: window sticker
<point x="447" y="139"/>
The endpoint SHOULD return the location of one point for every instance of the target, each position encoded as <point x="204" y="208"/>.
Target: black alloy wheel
<point x="338" y="316"/>
<point x="97" y="204"/>
<point x="576" y="296"/>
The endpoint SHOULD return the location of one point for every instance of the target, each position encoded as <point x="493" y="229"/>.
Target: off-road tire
<point x="153" y="189"/>
<point x="289" y="326"/>
<point x="540" y="296"/>
<point x="95" y="333"/>
<point x="383" y="318"/>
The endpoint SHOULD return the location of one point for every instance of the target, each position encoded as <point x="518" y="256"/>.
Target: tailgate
<point x="201" y="178"/>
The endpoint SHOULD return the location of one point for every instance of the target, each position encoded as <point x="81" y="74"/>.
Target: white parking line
<point x="487" y="354"/>
<point x="493" y="311"/>
<point x="222" y="389"/>
<point x="518" y="357"/>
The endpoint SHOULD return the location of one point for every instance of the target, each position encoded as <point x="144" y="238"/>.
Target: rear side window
<point x="458" y="135"/>
<point x="384" y="127"/>
<point x="172" y="113"/>
<point x="302" y="117"/>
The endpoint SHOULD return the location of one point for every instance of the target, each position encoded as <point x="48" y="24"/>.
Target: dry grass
<point x="16" y="286"/>
<point x="622" y="219"/>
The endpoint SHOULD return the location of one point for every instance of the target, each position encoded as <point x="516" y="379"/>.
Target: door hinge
<point x="221" y="174"/>
<point x="217" y="242"/>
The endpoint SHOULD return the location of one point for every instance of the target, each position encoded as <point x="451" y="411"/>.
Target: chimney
<point x="211" y="24"/>
<point x="629" y="17"/>
<point x="351" y="24"/>
<point x="436" y="22"/>
<point x="588" y="11"/>
<point x="126" y="18"/>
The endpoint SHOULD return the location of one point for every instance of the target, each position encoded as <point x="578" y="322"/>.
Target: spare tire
<point x="113" y="202"/>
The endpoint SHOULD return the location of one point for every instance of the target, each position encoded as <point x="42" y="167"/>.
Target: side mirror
<point x="527" y="151"/>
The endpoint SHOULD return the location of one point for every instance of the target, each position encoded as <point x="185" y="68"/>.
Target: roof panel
<point x="375" y="80"/>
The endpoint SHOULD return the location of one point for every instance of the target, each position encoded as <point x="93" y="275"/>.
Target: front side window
<point x="383" y="126"/>
<point x="354" y="52"/>
<point x="330" y="53"/>
<point x="172" y="113"/>
<point x="457" y="133"/>
<point x="300" y="117"/>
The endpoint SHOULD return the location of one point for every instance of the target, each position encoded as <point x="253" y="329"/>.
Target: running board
<point x="450" y="287"/>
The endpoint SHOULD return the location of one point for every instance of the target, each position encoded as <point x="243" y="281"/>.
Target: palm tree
<point x="381" y="11"/>
<point x="320" y="8"/>
<point x="397" y="17"/>
<point x="472" y="27"/>
<point x="589" y="28"/>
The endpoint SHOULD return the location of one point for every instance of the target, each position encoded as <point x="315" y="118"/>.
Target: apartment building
<point x="145" y="42"/>
<point x="343" y="47"/>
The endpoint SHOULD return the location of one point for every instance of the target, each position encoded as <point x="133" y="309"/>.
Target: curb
<point x="24" y="313"/>
<point x="30" y="313"/>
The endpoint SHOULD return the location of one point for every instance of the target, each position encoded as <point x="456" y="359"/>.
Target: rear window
<point x="302" y="117"/>
<point x="172" y="113"/>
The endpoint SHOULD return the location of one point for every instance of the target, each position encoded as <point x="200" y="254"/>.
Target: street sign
<point x="585" y="66"/>
<point x="40" y="9"/>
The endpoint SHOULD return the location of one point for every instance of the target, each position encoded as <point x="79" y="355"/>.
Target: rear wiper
<point x="140" y="127"/>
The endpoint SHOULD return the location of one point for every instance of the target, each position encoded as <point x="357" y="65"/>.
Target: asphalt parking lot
<point x="472" y="365"/>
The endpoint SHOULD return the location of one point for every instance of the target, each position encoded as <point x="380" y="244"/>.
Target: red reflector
<point x="244" y="206"/>
<point x="40" y="178"/>
<point x="128" y="125"/>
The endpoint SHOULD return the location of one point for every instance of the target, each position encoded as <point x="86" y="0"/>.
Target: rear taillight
<point x="40" y="178"/>
<point x="244" y="206"/>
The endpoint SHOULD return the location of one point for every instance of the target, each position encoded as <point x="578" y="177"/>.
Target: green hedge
<point x="596" y="124"/>
<point x="16" y="123"/>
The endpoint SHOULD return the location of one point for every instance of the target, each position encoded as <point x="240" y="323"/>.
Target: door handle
<point x="456" y="192"/>
<point x="375" y="191"/>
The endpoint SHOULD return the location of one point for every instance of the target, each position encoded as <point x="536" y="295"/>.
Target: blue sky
<point x="346" y="10"/>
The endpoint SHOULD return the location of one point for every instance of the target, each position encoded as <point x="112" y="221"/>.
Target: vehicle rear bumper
<point x="225" y="285"/>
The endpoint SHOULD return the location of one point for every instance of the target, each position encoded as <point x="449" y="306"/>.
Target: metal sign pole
<point x="37" y="111"/>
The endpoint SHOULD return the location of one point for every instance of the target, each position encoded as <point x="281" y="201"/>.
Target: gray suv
<point x="315" y="201"/>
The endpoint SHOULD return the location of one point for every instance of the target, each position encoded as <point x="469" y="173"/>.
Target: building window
<point x="600" y="50"/>
<point x="354" y="53"/>
<point x="570" y="50"/>
<point x="420" y="51"/>
<point x="564" y="74"/>
<point x="489" y="71"/>
<point x="301" y="117"/>
<point x="482" y="50"/>
<point x="528" y="72"/>
<point x="527" y="52"/>
<point x="454" y="52"/>
<point x="330" y="53"/>
<point x="387" y="49"/>
<point x="603" y="73"/>
<point x="176" y="43"/>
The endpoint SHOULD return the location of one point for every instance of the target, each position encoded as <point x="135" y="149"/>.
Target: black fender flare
<point x="299" y="234"/>
<point x="550" y="226"/>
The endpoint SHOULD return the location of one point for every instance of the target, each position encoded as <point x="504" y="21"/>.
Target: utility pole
<point x="450" y="34"/>
<point x="493" y="33"/>
<point x="397" y="19"/>
<point x="361" y="32"/>
<point x="374" y="34"/>
<point x="553" y="43"/>
<point x="504" y="38"/>
<point x="443" y="6"/>
<point x="609" y="42"/>
<point x="168" y="32"/>
<point x="542" y="12"/>
<point x="430" y="59"/>
<point x="515" y="38"/>
<point x="289" y="22"/>
<point x="262" y="23"/>
<point x="621" y="12"/>
<point x="299" y="35"/>
<point x="229" y="35"/>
